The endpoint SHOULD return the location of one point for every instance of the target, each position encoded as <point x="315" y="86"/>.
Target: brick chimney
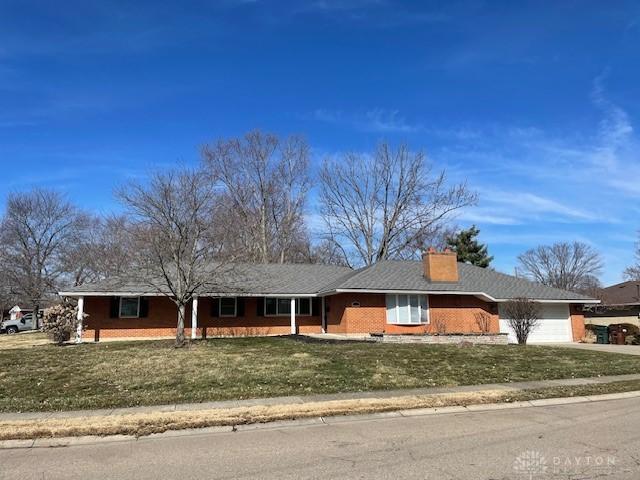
<point x="440" y="266"/>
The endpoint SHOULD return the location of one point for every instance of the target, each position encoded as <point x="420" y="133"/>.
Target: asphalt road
<point x="590" y="440"/>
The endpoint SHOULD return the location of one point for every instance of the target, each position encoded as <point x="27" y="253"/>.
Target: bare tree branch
<point x="569" y="266"/>
<point x="386" y="206"/>
<point x="264" y="183"/>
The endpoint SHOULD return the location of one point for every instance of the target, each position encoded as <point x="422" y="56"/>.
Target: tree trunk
<point x="34" y="317"/>
<point x="180" y="327"/>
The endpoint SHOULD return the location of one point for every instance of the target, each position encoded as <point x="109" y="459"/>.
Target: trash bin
<point x="617" y="334"/>
<point x="602" y="334"/>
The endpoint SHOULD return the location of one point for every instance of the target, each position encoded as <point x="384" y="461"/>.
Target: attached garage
<point x="554" y="325"/>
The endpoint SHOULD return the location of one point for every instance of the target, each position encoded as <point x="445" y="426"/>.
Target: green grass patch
<point x="120" y="374"/>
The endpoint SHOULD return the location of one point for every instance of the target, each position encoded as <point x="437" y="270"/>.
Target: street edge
<point x="319" y="421"/>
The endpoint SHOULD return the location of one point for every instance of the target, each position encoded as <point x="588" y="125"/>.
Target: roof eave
<point x="455" y="292"/>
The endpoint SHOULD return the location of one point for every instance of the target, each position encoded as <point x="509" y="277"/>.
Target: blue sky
<point x="534" y="104"/>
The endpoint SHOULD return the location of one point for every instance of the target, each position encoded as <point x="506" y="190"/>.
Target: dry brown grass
<point x="23" y="340"/>
<point x="140" y="424"/>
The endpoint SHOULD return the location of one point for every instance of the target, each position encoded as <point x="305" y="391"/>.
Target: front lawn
<point x="118" y="374"/>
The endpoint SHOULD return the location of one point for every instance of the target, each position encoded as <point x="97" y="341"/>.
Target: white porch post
<point x="323" y="316"/>
<point x="80" y="317"/>
<point x="293" y="316"/>
<point x="194" y="317"/>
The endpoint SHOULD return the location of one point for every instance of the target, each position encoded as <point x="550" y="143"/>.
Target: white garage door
<point x="554" y="325"/>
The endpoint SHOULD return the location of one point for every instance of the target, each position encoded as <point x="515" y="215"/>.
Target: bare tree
<point x="264" y="182"/>
<point x="171" y="221"/>
<point x="523" y="317"/>
<point x="326" y="253"/>
<point x="633" y="272"/>
<point x="35" y="229"/>
<point x="103" y="248"/>
<point x="389" y="205"/>
<point x="569" y="266"/>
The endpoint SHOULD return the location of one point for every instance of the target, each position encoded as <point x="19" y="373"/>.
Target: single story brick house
<point x="391" y="297"/>
<point x="620" y="306"/>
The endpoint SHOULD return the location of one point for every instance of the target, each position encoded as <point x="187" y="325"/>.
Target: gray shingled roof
<point x="267" y="279"/>
<point x="389" y="275"/>
<point x="625" y="293"/>
<point x="407" y="275"/>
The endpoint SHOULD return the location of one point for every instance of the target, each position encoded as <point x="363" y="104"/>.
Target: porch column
<point x="80" y="317"/>
<point x="194" y="317"/>
<point x="293" y="316"/>
<point x="323" y="315"/>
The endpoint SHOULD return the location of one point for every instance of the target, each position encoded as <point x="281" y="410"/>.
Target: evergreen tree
<point x="468" y="249"/>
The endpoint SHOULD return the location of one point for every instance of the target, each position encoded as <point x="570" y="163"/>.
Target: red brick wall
<point x="577" y="323"/>
<point x="162" y="318"/>
<point x="458" y="312"/>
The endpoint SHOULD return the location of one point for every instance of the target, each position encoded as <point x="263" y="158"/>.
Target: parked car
<point x="18" y="325"/>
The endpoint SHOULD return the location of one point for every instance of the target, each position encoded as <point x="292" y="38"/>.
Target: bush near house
<point x="59" y="322"/>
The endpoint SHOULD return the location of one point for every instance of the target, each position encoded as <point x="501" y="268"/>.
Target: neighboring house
<point x="620" y="305"/>
<point x="16" y="312"/>
<point x="393" y="297"/>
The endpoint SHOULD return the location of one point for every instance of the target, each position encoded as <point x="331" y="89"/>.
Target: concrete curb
<point x="313" y="421"/>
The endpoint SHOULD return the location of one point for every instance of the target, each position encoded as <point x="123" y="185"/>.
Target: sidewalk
<point x="299" y="400"/>
<point x="598" y="347"/>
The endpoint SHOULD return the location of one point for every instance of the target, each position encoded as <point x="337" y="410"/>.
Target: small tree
<point x="523" y="317"/>
<point x="60" y="321"/>
<point x="468" y="249"/>
<point x="171" y="222"/>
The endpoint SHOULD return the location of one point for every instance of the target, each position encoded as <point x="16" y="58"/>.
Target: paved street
<point x="591" y="440"/>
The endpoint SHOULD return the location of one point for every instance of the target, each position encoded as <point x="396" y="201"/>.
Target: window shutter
<point x="114" y="307"/>
<point x="315" y="307"/>
<point x="215" y="307"/>
<point x="144" y="307"/>
<point x="240" y="307"/>
<point x="260" y="306"/>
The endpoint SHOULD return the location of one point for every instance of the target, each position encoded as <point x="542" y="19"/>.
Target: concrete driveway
<point x="587" y="440"/>
<point x="596" y="347"/>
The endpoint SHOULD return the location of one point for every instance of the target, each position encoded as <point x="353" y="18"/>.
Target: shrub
<point x="483" y="321"/>
<point x="523" y="317"/>
<point x="60" y="321"/>
<point x="439" y="324"/>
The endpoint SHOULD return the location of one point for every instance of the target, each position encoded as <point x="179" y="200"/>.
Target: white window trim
<point x="278" y="314"/>
<point x="235" y="307"/>
<point x="397" y="308"/>
<point x="128" y="316"/>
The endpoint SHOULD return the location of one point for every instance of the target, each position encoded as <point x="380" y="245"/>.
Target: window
<point x="282" y="306"/>
<point x="303" y="306"/>
<point x="129" y="307"/>
<point x="228" y="306"/>
<point x="270" y="306"/>
<point x="407" y="309"/>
